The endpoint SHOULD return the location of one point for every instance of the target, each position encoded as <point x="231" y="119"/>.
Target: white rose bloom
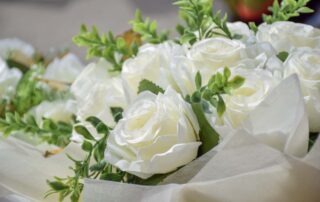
<point x="9" y="78"/>
<point x="242" y="29"/>
<point x="256" y="55"/>
<point x="275" y="65"/>
<point x="58" y="110"/>
<point x="66" y="69"/>
<point x="287" y="35"/>
<point x="13" y="44"/>
<point x="96" y="91"/>
<point x="152" y="63"/>
<point x="256" y="87"/>
<point x="158" y="134"/>
<point x="211" y="54"/>
<point x="183" y="73"/>
<point x="305" y="63"/>
<point x="99" y="100"/>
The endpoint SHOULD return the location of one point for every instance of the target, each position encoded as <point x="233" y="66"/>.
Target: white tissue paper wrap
<point x="260" y="161"/>
<point x="24" y="170"/>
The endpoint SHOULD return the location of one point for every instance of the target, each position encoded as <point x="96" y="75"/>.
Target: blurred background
<point x="52" y="23"/>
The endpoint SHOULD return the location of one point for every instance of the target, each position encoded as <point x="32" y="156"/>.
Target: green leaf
<point x="208" y="136"/>
<point x="86" y="146"/>
<point x="312" y="139"/>
<point x="153" y="180"/>
<point x="283" y="56"/>
<point x="48" y="124"/>
<point x="221" y="107"/>
<point x="102" y="128"/>
<point x="198" y="80"/>
<point x="81" y="130"/>
<point x="146" y="85"/>
<point x="305" y="10"/>
<point x="226" y="73"/>
<point x="116" y="113"/>
<point x="236" y="82"/>
<point x="98" y="166"/>
<point x="12" y="63"/>
<point x="93" y="120"/>
<point x="98" y="153"/>
<point x="196" y="97"/>
<point x="57" y="186"/>
<point x="253" y="27"/>
<point x="111" y="177"/>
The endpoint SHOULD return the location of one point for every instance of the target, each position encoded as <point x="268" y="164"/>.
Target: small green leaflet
<point x="116" y="113"/>
<point x="283" y="55"/>
<point x="146" y="85"/>
<point x="81" y="130"/>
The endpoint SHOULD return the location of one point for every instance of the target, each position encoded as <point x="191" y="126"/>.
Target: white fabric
<point x="244" y="170"/>
<point x="24" y="170"/>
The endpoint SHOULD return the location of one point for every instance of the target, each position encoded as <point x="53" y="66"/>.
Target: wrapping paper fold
<point x="249" y="172"/>
<point x="24" y="170"/>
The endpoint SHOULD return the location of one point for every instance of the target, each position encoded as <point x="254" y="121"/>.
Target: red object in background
<point x="247" y="13"/>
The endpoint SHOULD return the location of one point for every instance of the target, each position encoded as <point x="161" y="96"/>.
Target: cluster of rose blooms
<point x="159" y="133"/>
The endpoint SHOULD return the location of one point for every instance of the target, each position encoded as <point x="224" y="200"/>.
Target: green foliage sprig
<point x="57" y="133"/>
<point x="92" y="166"/>
<point x="31" y="92"/>
<point x="147" y="29"/>
<point x="114" y="49"/>
<point x="286" y="10"/>
<point x="200" y="22"/>
<point x="211" y="93"/>
<point x="218" y="85"/>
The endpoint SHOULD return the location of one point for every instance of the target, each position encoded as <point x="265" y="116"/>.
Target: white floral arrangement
<point x="224" y="106"/>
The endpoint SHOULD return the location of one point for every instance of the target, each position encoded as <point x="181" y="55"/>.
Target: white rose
<point x="99" y="100"/>
<point x="256" y="87"/>
<point x="211" y="54"/>
<point x="152" y="63"/>
<point x="66" y="69"/>
<point x="9" y="78"/>
<point x="96" y="91"/>
<point x="305" y="63"/>
<point x="183" y="72"/>
<point x="256" y="55"/>
<point x="93" y="74"/>
<point x="58" y="110"/>
<point x="158" y="134"/>
<point x="241" y="28"/>
<point x="13" y="44"/>
<point x="287" y="35"/>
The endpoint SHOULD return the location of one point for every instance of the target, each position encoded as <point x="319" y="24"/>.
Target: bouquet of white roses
<point x="225" y="106"/>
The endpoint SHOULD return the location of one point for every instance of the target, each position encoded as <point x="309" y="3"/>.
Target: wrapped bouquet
<point x="224" y="112"/>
